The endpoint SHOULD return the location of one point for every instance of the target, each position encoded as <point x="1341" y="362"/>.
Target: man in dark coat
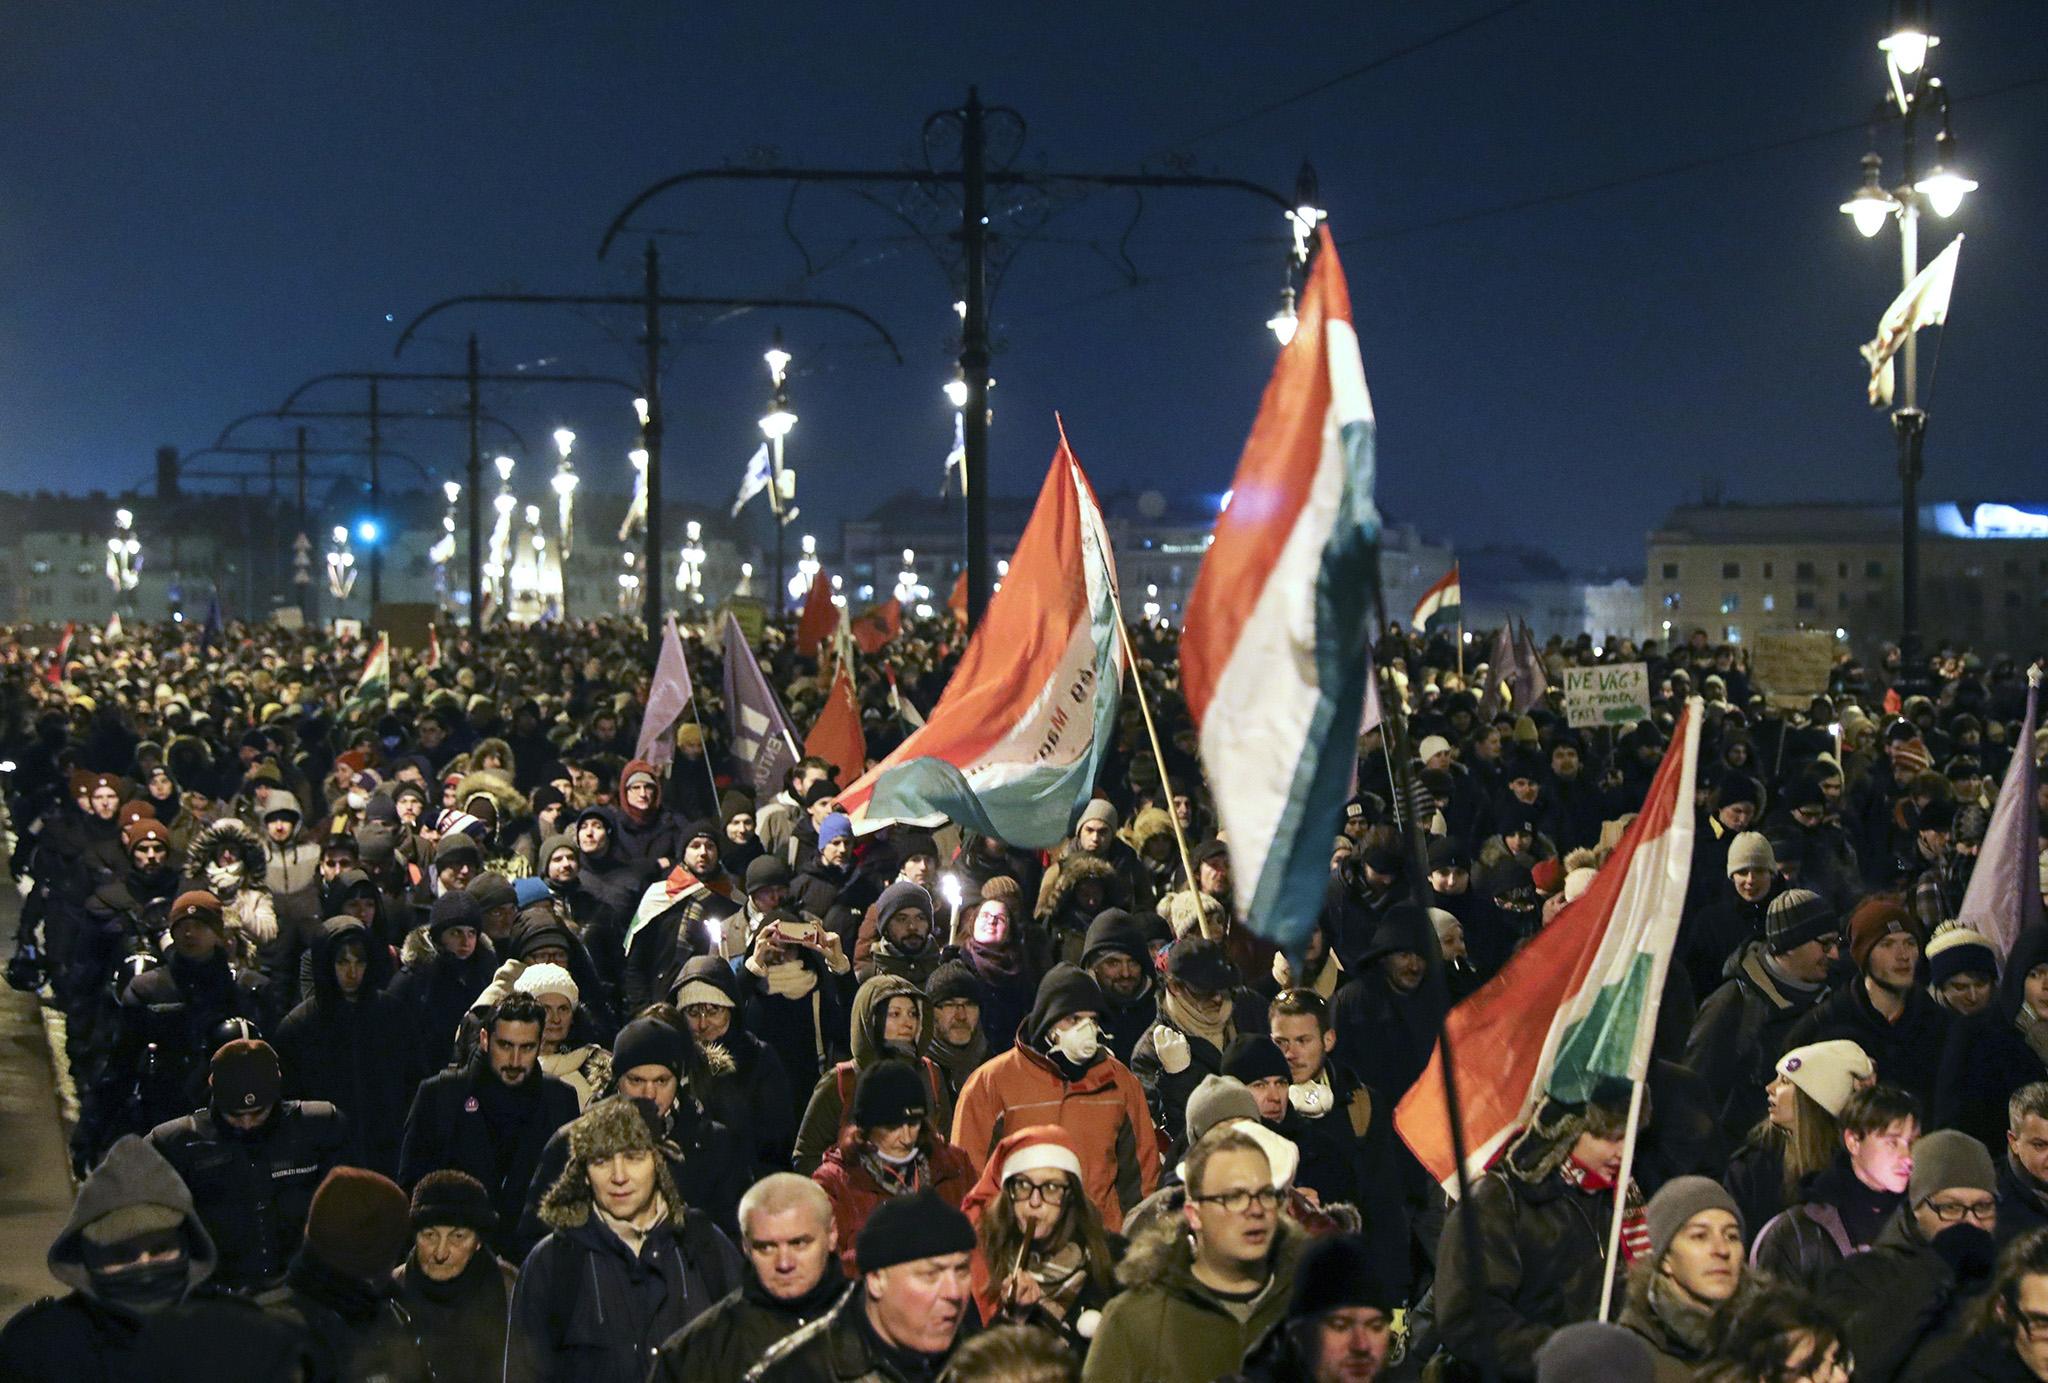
<point x="678" y="917"/>
<point x="790" y="1245"/>
<point x="492" y="1117"/>
<point x="1884" y="1008"/>
<point x="1713" y="933"/>
<point x="457" y="1293"/>
<point x="437" y="991"/>
<point x="625" y="1265"/>
<point x="1385" y="1017"/>
<point x="1203" y="1007"/>
<point x="2023" y="1171"/>
<point x="1741" y="1029"/>
<point x="349" y="1045"/>
<point x="137" y="1261"/>
<point x="253" y="1160"/>
<point x="338" y="1292"/>
<point x="748" y="1089"/>
<point x="1119" y="955"/>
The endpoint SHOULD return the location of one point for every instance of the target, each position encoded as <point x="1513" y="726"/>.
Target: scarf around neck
<point x="1184" y="1016"/>
<point x="1635" y="1224"/>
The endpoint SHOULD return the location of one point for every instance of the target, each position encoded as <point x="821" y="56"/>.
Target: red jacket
<point x="1104" y="1113"/>
<point x="855" y="1193"/>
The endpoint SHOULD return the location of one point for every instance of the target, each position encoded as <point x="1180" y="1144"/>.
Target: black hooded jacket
<point x="753" y="1097"/>
<point x="1988" y="1056"/>
<point x="1386" y="1035"/>
<point x="356" y="1053"/>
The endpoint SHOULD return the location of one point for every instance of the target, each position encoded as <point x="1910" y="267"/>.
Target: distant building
<point x="1736" y="569"/>
<point x="1530" y="585"/>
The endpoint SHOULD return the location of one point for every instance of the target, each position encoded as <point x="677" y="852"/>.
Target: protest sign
<point x="1610" y="694"/>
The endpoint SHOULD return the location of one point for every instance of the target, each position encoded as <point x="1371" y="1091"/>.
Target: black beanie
<point x="904" y="1229"/>
<point x="1253" y="1056"/>
<point x="952" y="980"/>
<point x="1065" y="989"/>
<point x="649" y="1042"/>
<point x="1116" y="932"/>
<point x="454" y="909"/>
<point x="890" y="1093"/>
<point x="1336" y="1273"/>
<point x="449" y="1197"/>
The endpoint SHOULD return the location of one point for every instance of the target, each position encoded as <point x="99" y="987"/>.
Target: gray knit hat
<point x="1218" y="1098"/>
<point x="1674" y="1205"/>
<point x="1751" y="850"/>
<point x="1949" y="1160"/>
<point x="1593" y="1352"/>
<point x="1796" y="917"/>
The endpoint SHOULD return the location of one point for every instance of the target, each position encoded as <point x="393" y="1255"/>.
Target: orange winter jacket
<point x="1104" y="1113"/>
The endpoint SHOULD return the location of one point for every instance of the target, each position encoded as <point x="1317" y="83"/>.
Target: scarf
<point x="896" y="1179"/>
<point x="788" y="979"/>
<point x="960" y="1062"/>
<point x="631" y="1235"/>
<point x="1683" y="1319"/>
<point x="996" y="963"/>
<point x="1635" y="1225"/>
<point x="1213" y="1027"/>
<point x="1061" y="1275"/>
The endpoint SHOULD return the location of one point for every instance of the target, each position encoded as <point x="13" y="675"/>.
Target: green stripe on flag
<point x="1596" y="1051"/>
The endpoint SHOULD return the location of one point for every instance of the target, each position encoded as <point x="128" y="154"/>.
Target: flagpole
<point x="1628" y="1159"/>
<point x="1180" y="839"/>
<point x="702" y="737"/>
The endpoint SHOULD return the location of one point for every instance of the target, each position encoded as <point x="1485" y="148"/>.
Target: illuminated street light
<point x="1871" y="206"/>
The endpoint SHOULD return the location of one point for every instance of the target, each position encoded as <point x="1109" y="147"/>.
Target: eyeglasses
<point x="705" y="1012"/>
<point x="1952" y="1212"/>
<point x="1237" y="1202"/>
<point x="1021" y="1189"/>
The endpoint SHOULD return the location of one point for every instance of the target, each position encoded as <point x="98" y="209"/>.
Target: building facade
<point x="1737" y="569"/>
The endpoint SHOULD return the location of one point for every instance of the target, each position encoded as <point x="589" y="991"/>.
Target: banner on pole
<point x="1610" y="694"/>
<point x="1791" y="666"/>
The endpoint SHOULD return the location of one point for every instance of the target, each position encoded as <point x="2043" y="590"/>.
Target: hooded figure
<point x="749" y="1092"/>
<point x="648" y="836"/>
<point x="831" y="1102"/>
<point x="604" y="1289"/>
<point x="1992" y="1053"/>
<point x="1387" y="1015"/>
<point x="1129" y="988"/>
<point x="134" y="1255"/>
<point x="292" y="873"/>
<point x="436" y="991"/>
<point x="226" y="858"/>
<point x="349" y="1045"/>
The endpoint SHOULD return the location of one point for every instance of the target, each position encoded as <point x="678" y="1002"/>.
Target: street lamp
<point x="690" y="570"/>
<point x="775" y="426"/>
<point x="124" y="555"/>
<point x="341" y="565"/>
<point x="1912" y="91"/>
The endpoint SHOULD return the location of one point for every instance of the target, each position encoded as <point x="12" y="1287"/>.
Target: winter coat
<point x="253" y="1190"/>
<point x="1740" y="1033"/>
<point x="1167" y="1092"/>
<point x="752" y="1095"/>
<point x="1542" y="1263"/>
<point x="354" y="1329"/>
<point x="1383" y="1034"/>
<point x="1710" y="937"/>
<point x="1103" y="1111"/>
<point x="1805" y="1243"/>
<point x="450" y="1126"/>
<point x="80" y="1339"/>
<point x="808" y="1032"/>
<point x="164" y="1042"/>
<point x="356" y="1054"/>
<point x="831" y="1099"/>
<point x="1755" y="1176"/>
<point x="434" y="992"/>
<point x="2022" y="1201"/>
<point x="1908" y="1053"/>
<point x="587" y="1309"/>
<point x="1988" y="1057"/>
<point x="706" y="1161"/>
<point x="838" y="1347"/>
<point x="1673" y="1328"/>
<point x="1166" y="1327"/>
<point x="730" y="1338"/>
<point x="1905" y="1308"/>
<point x="650" y="837"/>
<point x="672" y="923"/>
<point x="459" y="1326"/>
<point x="249" y="910"/>
<point x="855" y="1193"/>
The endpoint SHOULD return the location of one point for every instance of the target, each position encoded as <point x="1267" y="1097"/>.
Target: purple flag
<point x="1531" y="681"/>
<point x="763" y="741"/>
<point x="2004" y="896"/>
<point x="1500" y="664"/>
<point x="666" y="700"/>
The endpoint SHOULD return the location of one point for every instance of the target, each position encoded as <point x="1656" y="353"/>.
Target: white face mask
<point x="223" y="876"/>
<point x="1313" y="1099"/>
<point x="1078" y="1043"/>
<point x="357" y="800"/>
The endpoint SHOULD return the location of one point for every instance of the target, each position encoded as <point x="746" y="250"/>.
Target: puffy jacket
<point x="1166" y="1327"/>
<point x="1740" y="1033"/>
<point x="253" y="1190"/>
<point x="1104" y="1112"/>
<point x="855" y="1193"/>
<point x="164" y="1040"/>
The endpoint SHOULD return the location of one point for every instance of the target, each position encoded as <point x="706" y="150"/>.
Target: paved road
<point x="35" y="1176"/>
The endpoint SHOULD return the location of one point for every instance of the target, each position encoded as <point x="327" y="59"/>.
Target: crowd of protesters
<point x="424" y="1031"/>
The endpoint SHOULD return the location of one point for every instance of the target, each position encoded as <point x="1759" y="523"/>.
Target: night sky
<point x="201" y="205"/>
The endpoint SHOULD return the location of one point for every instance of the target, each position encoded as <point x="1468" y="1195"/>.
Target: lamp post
<point x="563" y="483"/>
<point x="775" y="426"/>
<point x="1911" y="92"/>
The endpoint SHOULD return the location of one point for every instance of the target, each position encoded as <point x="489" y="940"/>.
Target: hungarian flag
<point x="957" y="601"/>
<point x="54" y="673"/>
<point x="2003" y="898"/>
<point x="1576" y="1007"/>
<point x="1441" y="606"/>
<point x="668" y="696"/>
<point x="1921" y="303"/>
<point x="376" y="679"/>
<point x="1014" y="745"/>
<point x="882" y="623"/>
<point x="836" y="736"/>
<point x="820" y="616"/>
<point x="1278" y="628"/>
<point x="433" y="658"/>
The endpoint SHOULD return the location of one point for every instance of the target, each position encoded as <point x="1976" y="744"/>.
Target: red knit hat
<point x="1876" y="918"/>
<point x="360" y="1223"/>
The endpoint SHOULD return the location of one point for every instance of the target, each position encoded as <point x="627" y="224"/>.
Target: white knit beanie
<point x="547" y="979"/>
<point x="1827" y="1071"/>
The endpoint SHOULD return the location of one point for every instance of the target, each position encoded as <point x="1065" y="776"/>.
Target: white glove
<point x="1313" y="1099"/>
<point x="1171" y="1046"/>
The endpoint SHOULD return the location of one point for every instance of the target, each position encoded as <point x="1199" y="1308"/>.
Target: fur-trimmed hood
<point x="510" y="801"/>
<point x="229" y="832"/>
<point x="610" y="1126"/>
<point x="1161" y="1253"/>
<point x="1075" y="869"/>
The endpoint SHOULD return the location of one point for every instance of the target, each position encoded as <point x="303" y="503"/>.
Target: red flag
<point x="878" y="626"/>
<point x="957" y="602"/>
<point x="55" y="672"/>
<point x="1894" y="704"/>
<point x="820" y="616"/>
<point x="836" y="736"/>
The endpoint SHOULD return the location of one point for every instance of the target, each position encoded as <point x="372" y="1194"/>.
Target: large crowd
<point x="423" y="1031"/>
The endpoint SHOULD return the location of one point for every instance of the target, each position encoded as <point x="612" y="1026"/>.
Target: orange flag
<point x="820" y="616"/>
<point x="957" y="602"/>
<point x="836" y="736"/>
<point x="878" y="626"/>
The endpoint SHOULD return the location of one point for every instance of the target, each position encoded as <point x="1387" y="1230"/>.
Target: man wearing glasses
<point x="1202" y="1287"/>
<point x="1909" y="1301"/>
